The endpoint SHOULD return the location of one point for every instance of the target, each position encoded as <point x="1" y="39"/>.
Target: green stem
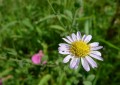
<point x="29" y="61"/>
<point x="74" y="19"/>
<point x="16" y="60"/>
<point x="56" y="14"/>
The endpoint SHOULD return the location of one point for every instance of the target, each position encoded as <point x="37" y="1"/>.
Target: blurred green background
<point x="27" y="26"/>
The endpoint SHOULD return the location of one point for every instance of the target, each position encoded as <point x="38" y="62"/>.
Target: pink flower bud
<point x="36" y="58"/>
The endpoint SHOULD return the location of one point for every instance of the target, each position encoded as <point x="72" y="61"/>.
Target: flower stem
<point x="56" y="14"/>
<point x="74" y="19"/>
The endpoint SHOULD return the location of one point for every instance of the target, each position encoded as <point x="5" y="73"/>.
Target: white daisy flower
<point x="79" y="50"/>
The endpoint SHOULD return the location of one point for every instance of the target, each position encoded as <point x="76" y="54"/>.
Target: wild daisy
<point x="79" y="50"/>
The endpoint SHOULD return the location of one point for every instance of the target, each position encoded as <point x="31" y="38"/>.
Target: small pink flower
<point x="36" y="58"/>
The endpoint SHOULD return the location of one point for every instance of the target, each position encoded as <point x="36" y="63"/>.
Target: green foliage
<point x="45" y="79"/>
<point x="27" y="26"/>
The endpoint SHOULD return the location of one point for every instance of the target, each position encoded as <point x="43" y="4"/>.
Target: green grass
<point x="26" y="26"/>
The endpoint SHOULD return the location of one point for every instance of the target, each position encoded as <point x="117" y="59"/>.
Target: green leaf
<point x="87" y="26"/>
<point x="61" y="78"/>
<point x="5" y="72"/>
<point x="69" y="14"/>
<point x="57" y="27"/>
<point x="91" y="77"/>
<point x="87" y="83"/>
<point x="27" y="23"/>
<point x="45" y="79"/>
<point x="110" y="44"/>
<point x="45" y="18"/>
<point x="68" y="83"/>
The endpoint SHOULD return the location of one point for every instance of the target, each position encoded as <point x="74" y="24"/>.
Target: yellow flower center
<point x="79" y="49"/>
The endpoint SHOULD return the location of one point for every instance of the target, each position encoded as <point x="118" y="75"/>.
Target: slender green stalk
<point x="74" y="19"/>
<point x="16" y="60"/>
<point x="56" y="14"/>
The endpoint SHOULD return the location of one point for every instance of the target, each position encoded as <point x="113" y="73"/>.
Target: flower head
<point x="36" y="58"/>
<point x="79" y="50"/>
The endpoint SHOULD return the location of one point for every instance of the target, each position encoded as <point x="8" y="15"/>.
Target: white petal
<point x="69" y="38"/>
<point x="96" y="56"/>
<point x="67" y="58"/>
<point x="94" y="44"/>
<point x="74" y="38"/>
<point x="74" y="63"/>
<point x="66" y="40"/>
<point x="96" y="48"/>
<point x="78" y="35"/>
<point x="63" y="44"/>
<point x="91" y="61"/>
<point x="85" y="64"/>
<point x="83" y="38"/>
<point x="76" y="67"/>
<point x="63" y="48"/>
<point x="96" y="52"/>
<point x="64" y="52"/>
<point x="78" y="61"/>
<point x="88" y="38"/>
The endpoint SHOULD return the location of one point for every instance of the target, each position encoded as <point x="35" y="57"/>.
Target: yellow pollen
<point x="79" y="49"/>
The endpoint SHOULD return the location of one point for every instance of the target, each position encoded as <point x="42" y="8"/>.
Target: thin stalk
<point x="56" y="14"/>
<point x="29" y="61"/>
<point x="74" y="18"/>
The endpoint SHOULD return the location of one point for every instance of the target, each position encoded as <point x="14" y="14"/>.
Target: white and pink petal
<point x="69" y="38"/>
<point x="83" y="38"/>
<point x="96" y="52"/>
<point x="64" y="52"/>
<point x="96" y="48"/>
<point x="96" y="56"/>
<point x="74" y="38"/>
<point x="66" y="40"/>
<point x="85" y="64"/>
<point x="64" y="44"/>
<point x="74" y="63"/>
<point x="63" y="48"/>
<point x="67" y="58"/>
<point x="87" y="38"/>
<point x="94" y="44"/>
<point x="91" y="62"/>
<point x="78" y="36"/>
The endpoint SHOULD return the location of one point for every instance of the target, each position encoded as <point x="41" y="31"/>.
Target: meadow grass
<point x="27" y="26"/>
